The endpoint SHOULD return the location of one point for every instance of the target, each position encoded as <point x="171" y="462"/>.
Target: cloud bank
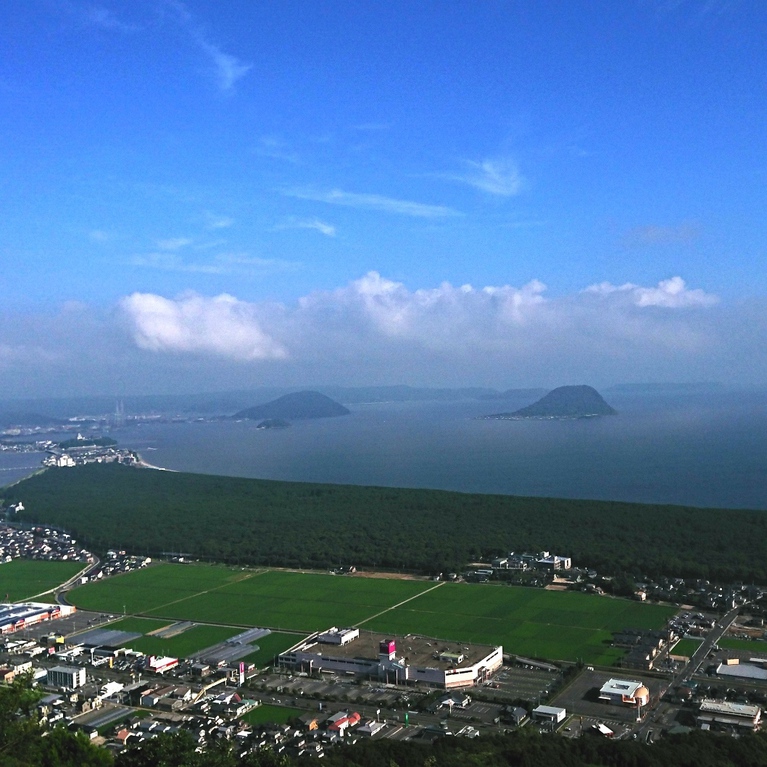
<point x="377" y="330"/>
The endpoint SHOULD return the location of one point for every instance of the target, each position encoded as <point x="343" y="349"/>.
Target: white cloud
<point x="222" y="326"/>
<point x="227" y="69"/>
<point x="653" y="234"/>
<point x="499" y="176"/>
<point x="308" y="223"/>
<point x="373" y="202"/>
<point x="174" y="243"/>
<point x="221" y="264"/>
<point x="373" y="317"/>
<point x="670" y="294"/>
<point x="375" y="329"/>
<point x="98" y="17"/>
<point x="214" y="221"/>
<point x="276" y="149"/>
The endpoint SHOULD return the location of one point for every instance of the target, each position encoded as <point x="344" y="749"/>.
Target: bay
<point x="702" y="450"/>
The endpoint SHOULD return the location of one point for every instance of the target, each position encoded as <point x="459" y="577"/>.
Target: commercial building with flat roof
<point x="15" y="617"/>
<point x="627" y="692"/>
<point x="68" y="677"/>
<point x="723" y="714"/>
<point x="397" y="660"/>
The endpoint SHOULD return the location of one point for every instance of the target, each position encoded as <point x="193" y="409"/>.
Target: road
<point x="657" y="715"/>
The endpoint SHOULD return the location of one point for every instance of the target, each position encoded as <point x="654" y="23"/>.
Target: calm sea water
<point x="700" y="450"/>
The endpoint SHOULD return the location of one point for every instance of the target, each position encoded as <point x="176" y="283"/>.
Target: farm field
<point x="271" y="645"/>
<point x="140" y="591"/>
<point x="758" y="646"/>
<point x="686" y="647"/>
<point x="186" y="643"/>
<point x="271" y="715"/>
<point x="23" y="578"/>
<point x="529" y="622"/>
<point x="534" y="622"/>
<point x="233" y="597"/>
<point x="138" y="625"/>
<point x="199" y="637"/>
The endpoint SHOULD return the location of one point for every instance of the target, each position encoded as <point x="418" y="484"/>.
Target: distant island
<point x="563" y="402"/>
<point x="274" y="423"/>
<point x="295" y="406"/>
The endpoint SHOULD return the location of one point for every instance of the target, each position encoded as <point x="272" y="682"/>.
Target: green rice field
<point x="199" y="637"/>
<point x="270" y="646"/>
<point x="686" y="647"/>
<point x="24" y="578"/>
<point x="274" y="599"/>
<point x="757" y="646"/>
<point x="186" y="643"/>
<point x="531" y="622"/>
<point x="271" y="715"/>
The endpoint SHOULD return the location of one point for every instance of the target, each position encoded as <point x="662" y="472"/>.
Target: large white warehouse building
<point x="404" y="660"/>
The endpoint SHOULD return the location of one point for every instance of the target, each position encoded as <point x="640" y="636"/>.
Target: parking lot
<point x="78" y="621"/>
<point x="517" y="683"/>
<point x="582" y="696"/>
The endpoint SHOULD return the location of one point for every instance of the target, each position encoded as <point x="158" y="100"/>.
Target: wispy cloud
<point x="375" y="202"/>
<point x="652" y="234"/>
<point x="226" y="68"/>
<point x="307" y="223"/>
<point x="242" y="264"/>
<point x="214" y="221"/>
<point x="174" y="243"/>
<point x="98" y="17"/>
<point x="276" y="149"/>
<point x="372" y="127"/>
<point x="498" y="176"/>
<point x="229" y="69"/>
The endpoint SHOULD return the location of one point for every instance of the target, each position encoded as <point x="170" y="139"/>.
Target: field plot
<point x="138" y="625"/>
<point x="758" y="646"/>
<point x="142" y="590"/>
<point x="529" y="622"/>
<point x="185" y="644"/>
<point x="23" y="578"/>
<point x="293" y="601"/>
<point x="273" y="599"/>
<point x="686" y="647"/>
<point x="534" y="622"/>
<point x="270" y="646"/>
<point x="271" y="715"/>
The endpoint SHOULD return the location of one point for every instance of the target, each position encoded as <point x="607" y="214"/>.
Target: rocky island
<point x="295" y="406"/>
<point x="562" y="402"/>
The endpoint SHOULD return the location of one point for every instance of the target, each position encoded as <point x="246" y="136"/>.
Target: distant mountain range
<point x="8" y="420"/>
<point x="295" y="406"/>
<point x="27" y="412"/>
<point x="563" y="402"/>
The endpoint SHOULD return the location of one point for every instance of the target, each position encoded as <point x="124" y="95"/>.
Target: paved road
<point x="654" y="716"/>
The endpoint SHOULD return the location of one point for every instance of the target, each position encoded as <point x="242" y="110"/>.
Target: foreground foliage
<point x="311" y="525"/>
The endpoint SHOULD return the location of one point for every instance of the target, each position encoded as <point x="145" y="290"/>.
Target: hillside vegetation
<point x="312" y="525"/>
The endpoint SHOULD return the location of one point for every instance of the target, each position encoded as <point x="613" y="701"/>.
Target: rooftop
<point x="417" y="650"/>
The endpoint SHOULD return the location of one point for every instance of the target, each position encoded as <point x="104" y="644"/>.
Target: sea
<point x="699" y="449"/>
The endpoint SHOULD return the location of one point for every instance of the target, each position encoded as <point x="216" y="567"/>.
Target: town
<point x="706" y="668"/>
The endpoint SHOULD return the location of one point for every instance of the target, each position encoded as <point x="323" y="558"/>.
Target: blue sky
<point x="215" y="195"/>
